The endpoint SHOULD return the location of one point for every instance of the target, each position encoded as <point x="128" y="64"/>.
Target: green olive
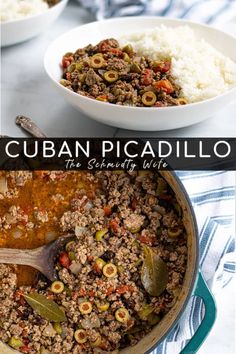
<point x="128" y="49"/>
<point x="97" y="61"/>
<point x="126" y="58"/>
<point x="135" y="68"/>
<point x="149" y="98"/>
<point x="111" y="76"/>
<point x="122" y="315"/>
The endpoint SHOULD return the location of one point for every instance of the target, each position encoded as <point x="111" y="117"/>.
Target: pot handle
<point x="201" y="290"/>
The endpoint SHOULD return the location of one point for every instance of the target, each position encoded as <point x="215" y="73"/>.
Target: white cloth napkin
<point x="208" y="11"/>
<point x="213" y="198"/>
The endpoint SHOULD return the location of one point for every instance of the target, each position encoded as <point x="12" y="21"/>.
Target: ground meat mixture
<point x="107" y="303"/>
<point x="108" y="73"/>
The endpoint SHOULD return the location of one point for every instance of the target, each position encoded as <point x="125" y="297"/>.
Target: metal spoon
<point x="41" y="258"/>
<point x="28" y="125"/>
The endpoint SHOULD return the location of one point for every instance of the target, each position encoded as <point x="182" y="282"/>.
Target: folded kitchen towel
<point x="213" y="198"/>
<point x="207" y="11"/>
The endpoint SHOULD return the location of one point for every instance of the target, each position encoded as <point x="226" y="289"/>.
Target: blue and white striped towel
<point x="213" y="198"/>
<point x="207" y="11"/>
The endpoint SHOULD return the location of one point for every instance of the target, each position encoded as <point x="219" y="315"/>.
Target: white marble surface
<point x="26" y="90"/>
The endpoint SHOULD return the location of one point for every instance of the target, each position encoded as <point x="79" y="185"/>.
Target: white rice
<point x="17" y="9"/>
<point x="201" y="70"/>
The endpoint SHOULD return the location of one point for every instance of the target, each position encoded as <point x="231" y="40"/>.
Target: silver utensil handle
<point x="28" y="125"/>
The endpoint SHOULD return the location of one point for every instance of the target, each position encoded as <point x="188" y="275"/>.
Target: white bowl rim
<point x="141" y="109"/>
<point x="31" y="17"/>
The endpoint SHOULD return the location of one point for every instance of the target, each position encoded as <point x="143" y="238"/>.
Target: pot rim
<point x="196" y="266"/>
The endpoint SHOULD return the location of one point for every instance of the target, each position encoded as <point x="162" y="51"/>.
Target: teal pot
<point x="194" y="285"/>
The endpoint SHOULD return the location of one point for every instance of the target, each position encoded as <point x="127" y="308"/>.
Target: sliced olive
<point x="135" y="68"/>
<point x="174" y="232"/>
<point x="69" y="244"/>
<point x="109" y="270"/>
<point x="97" y="61"/>
<point x="122" y="315"/>
<point x="97" y="341"/>
<point x="111" y="76"/>
<point x="181" y="101"/>
<point x="99" y="234"/>
<point x="85" y="307"/>
<point x="57" y="287"/>
<point x="103" y="307"/>
<point x="128" y="49"/>
<point x="126" y="58"/>
<point x="65" y="83"/>
<point x="149" y="98"/>
<point x="57" y="327"/>
<point x="74" y="66"/>
<point x="145" y="312"/>
<point x="100" y="263"/>
<point x="80" y="336"/>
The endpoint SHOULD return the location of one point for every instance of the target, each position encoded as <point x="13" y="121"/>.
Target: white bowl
<point x="136" y="118"/>
<point x="17" y="31"/>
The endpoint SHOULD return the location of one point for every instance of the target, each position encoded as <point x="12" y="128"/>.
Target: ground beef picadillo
<point x="108" y="73"/>
<point x="106" y="304"/>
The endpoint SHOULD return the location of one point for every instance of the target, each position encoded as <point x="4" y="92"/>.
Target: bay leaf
<point x="46" y="308"/>
<point x="154" y="273"/>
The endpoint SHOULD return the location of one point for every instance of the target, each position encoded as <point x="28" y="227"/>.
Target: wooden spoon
<point x="41" y="258"/>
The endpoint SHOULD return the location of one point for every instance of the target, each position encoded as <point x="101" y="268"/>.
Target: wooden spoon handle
<point x="22" y="257"/>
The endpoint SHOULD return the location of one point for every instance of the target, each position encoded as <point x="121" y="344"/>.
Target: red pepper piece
<point x="64" y="260"/>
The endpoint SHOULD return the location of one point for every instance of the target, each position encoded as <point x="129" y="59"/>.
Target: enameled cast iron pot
<point x="194" y="285"/>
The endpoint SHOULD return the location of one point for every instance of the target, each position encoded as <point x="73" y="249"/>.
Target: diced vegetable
<point x="126" y="57"/>
<point x="72" y="256"/>
<point x="107" y="210"/>
<point x="57" y="327"/>
<point x="15" y="342"/>
<point x="80" y="336"/>
<point x="122" y="289"/>
<point x="100" y="263"/>
<point x="114" y="225"/>
<point x="103" y="306"/>
<point x="153" y="319"/>
<point x="98" y="341"/>
<point x="149" y="98"/>
<point x="99" y="234"/>
<point x="135" y="68"/>
<point x="164" y="85"/>
<point x="162" y="67"/>
<point x="64" y="260"/>
<point x="57" y="287"/>
<point x="109" y="270"/>
<point x="147" y="77"/>
<point x="122" y="315"/>
<point x="146" y="311"/>
<point x="128" y="49"/>
<point x="85" y="307"/>
<point x="102" y="98"/>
